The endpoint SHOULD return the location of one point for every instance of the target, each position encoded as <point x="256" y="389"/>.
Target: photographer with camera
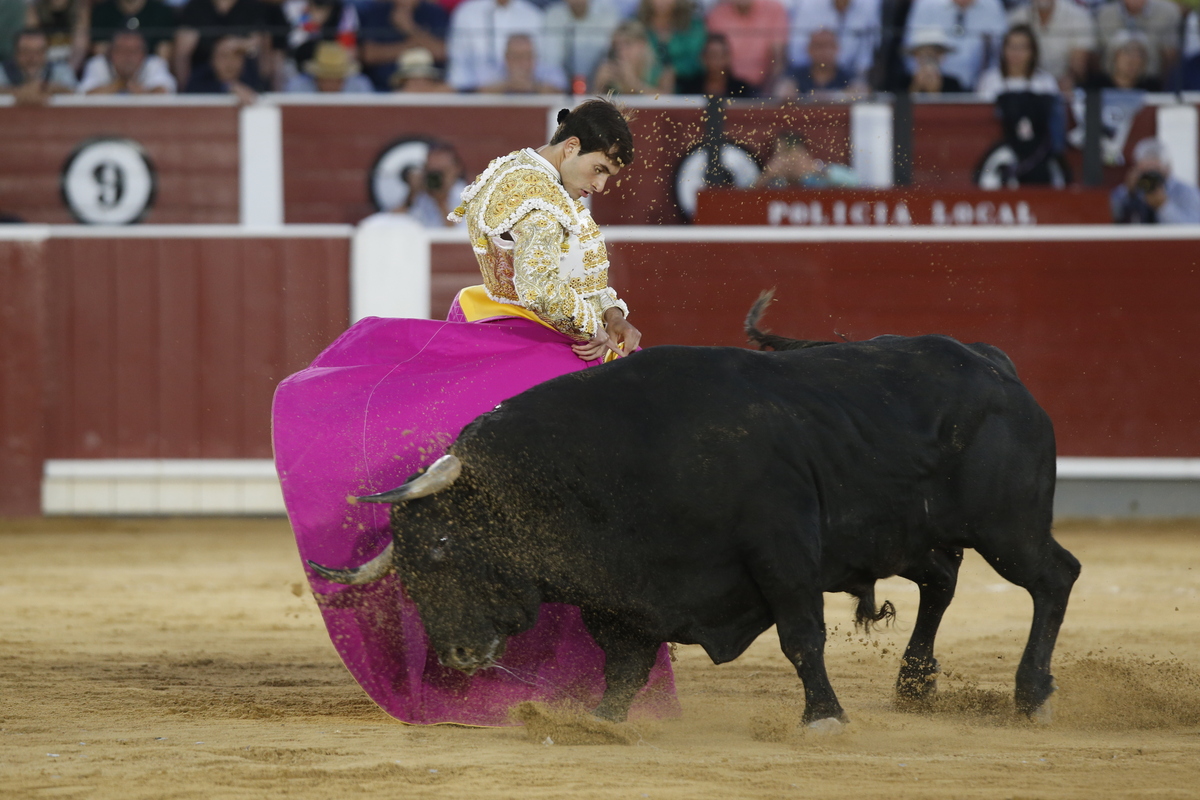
<point x="433" y="190"/>
<point x="1150" y="195"/>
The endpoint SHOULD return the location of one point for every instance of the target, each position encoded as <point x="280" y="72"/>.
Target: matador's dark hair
<point x="600" y="126"/>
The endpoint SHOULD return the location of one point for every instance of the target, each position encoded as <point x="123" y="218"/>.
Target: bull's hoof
<point x="829" y="726"/>
<point x="1042" y="715"/>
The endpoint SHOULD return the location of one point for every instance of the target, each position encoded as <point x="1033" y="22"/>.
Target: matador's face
<point x="586" y="173"/>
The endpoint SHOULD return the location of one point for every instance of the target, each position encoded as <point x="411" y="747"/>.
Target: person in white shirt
<point x="578" y="35"/>
<point x="126" y="69"/>
<point x="1066" y="37"/>
<point x="974" y="27"/>
<point x="1018" y="70"/>
<point x="855" y="22"/>
<point x="479" y="31"/>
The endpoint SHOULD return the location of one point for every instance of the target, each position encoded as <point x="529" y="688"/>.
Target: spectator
<point x="12" y="22"/>
<point x="435" y="190"/>
<point x="1158" y="20"/>
<point x="757" y="34"/>
<point x="577" y="37"/>
<point x="1031" y="113"/>
<point x="632" y="66"/>
<point x="1066" y="38"/>
<point x="854" y="23"/>
<point x="332" y="69"/>
<point x="311" y="22"/>
<point x="520" y="68"/>
<point x="927" y="48"/>
<point x="416" y="72"/>
<point x="479" y="29"/>
<point x="66" y="24"/>
<point x="792" y="166"/>
<point x="229" y="71"/>
<point x="975" y="27"/>
<point x="1151" y="194"/>
<point x="820" y="73"/>
<point x="1018" y="70"/>
<point x="1186" y="77"/>
<point x="153" y="19"/>
<point x="717" y="79"/>
<point x="202" y="23"/>
<point x="126" y="69"/>
<point x="390" y="28"/>
<point x="29" y="76"/>
<point x="1129" y="53"/>
<point x="676" y="33"/>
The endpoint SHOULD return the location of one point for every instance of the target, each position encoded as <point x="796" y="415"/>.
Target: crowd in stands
<point x="727" y="48"/>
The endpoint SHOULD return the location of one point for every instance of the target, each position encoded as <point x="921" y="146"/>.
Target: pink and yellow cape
<point x="382" y="402"/>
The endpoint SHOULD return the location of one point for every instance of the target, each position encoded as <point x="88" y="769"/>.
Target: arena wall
<point x="138" y="364"/>
<point x="310" y="159"/>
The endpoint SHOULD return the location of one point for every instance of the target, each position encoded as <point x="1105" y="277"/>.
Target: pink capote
<point x="382" y="402"/>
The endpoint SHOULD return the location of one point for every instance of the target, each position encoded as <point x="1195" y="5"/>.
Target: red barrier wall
<point x="950" y="140"/>
<point x="328" y="151"/>
<point x="644" y="193"/>
<point x="154" y="348"/>
<point x="1102" y="332"/>
<point x="194" y="150"/>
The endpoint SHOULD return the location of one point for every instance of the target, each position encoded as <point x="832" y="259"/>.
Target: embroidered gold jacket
<point x="537" y="248"/>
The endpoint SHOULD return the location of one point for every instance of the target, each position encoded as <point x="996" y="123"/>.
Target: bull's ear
<point x="441" y="474"/>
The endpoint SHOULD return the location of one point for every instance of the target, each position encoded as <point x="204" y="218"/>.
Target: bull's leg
<point x="628" y="659"/>
<point x="937" y="576"/>
<point x="1047" y="571"/>
<point x="801" y="627"/>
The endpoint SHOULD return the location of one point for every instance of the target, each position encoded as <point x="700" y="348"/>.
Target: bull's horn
<point x="440" y="474"/>
<point x="378" y="567"/>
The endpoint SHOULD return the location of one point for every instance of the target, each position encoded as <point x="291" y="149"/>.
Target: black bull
<point x="700" y="495"/>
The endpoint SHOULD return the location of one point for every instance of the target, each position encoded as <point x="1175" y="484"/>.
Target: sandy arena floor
<point x="185" y="659"/>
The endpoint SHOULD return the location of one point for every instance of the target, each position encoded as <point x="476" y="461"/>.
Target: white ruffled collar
<point x="542" y="162"/>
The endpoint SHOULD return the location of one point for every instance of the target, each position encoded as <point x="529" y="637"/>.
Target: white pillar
<point x="389" y="270"/>
<point x="871" y="144"/>
<point x="260" y="155"/>
<point x="1177" y="128"/>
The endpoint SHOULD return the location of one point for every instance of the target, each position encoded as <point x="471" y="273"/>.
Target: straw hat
<point x="415" y="62"/>
<point x="930" y="37"/>
<point x="331" y="60"/>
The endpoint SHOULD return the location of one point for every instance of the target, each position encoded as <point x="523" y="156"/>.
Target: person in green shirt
<point x="677" y="34"/>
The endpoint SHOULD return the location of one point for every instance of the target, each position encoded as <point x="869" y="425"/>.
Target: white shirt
<point x="577" y="46"/>
<point x="1070" y="28"/>
<point x="479" y="31"/>
<point x="992" y="84"/>
<point x="967" y="29"/>
<point x="153" y="74"/>
<point x="857" y="31"/>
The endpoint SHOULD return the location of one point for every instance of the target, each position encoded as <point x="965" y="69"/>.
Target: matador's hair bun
<point x="600" y="126"/>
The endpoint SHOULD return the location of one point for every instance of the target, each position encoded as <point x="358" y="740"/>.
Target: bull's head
<point x="452" y="565"/>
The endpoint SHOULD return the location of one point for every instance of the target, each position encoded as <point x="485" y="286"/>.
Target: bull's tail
<point x="769" y="341"/>
<point x="378" y="567"/>
<point x="865" y="614"/>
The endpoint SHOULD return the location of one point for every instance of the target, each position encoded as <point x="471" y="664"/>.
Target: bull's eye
<point x="438" y="551"/>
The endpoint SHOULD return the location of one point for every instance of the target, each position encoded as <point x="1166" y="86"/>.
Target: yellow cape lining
<point x="476" y="305"/>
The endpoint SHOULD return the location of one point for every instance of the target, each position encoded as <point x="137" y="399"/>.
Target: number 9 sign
<point x="108" y="181"/>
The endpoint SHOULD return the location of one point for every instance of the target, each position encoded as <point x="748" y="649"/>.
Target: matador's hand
<point x="618" y="336"/>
